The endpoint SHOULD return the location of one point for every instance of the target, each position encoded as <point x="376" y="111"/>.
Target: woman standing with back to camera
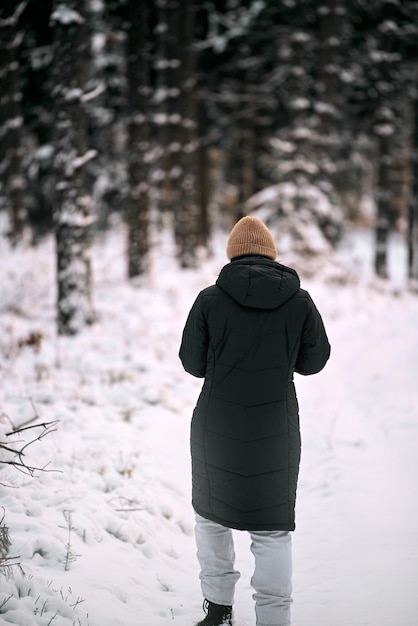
<point x="247" y="335"/>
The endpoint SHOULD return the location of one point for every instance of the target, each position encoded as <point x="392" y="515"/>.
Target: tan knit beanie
<point x="251" y="236"/>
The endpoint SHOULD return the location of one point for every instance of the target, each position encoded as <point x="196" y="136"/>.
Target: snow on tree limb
<point x="66" y="16"/>
<point x="94" y="93"/>
<point x="82" y="160"/>
<point x="13" y="19"/>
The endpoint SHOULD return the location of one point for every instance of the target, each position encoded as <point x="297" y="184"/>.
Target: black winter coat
<point x="247" y="335"/>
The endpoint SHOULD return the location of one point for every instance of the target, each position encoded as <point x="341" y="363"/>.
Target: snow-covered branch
<point x="94" y="93"/>
<point x="65" y="15"/>
<point x="13" y="19"/>
<point x="85" y="158"/>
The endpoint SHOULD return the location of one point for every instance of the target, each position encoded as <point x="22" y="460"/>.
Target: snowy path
<point x="356" y="542"/>
<point x="356" y="549"/>
<point x="124" y="406"/>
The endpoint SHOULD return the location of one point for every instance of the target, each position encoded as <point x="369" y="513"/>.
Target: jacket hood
<point x="258" y="282"/>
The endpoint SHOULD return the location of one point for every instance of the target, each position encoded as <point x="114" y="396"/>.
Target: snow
<point x="105" y="536"/>
<point x="299" y="104"/>
<point x="85" y="158"/>
<point x="66" y="16"/>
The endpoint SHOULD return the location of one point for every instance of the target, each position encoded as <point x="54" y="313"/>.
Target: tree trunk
<point x="296" y="164"/>
<point x="330" y="103"/>
<point x="386" y="130"/>
<point x="11" y="120"/>
<point x="203" y="181"/>
<point x="138" y="67"/>
<point x="167" y="89"/>
<point x="107" y="110"/>
<point x="330" y="41"/>
<point x="246" y="115"/>
<point x="413" y="206"/>
<point x="186" y="216"/>
<point x="384" y="196"/>
<point x="73" y="204"/>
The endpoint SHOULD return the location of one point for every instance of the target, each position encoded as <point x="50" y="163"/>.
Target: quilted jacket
<point x="247" y="335"/>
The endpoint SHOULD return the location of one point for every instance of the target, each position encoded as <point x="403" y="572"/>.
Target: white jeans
<point x="272" y="578"/>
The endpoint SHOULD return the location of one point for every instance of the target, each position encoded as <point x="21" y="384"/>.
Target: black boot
<point x="216" y="615"/>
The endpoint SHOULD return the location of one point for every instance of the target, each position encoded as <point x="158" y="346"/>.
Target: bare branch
<point x="18" y="448"/>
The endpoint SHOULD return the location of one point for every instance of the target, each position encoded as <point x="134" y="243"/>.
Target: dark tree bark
<point x="138" y="144"/>
<point x="175" y="113"/>
<point x="330" y="107"/>
<point x="107" y="111"/>
<point x="204" y="176"/>
<point x="11" y="119"/>
<point x="413" y="204"/>
<point x="163" y="110"/>
<point x="296" y="163"/>
<point x="384" y="205"/>
<point x="73" y="204"/>
<point x="186" y="214"/>
<point x="386" y="130"/>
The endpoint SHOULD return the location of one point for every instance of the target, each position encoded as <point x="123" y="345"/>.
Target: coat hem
<point x="248" y="527"/>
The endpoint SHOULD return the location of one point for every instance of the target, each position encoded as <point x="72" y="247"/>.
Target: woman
<point x="247" y="335"/>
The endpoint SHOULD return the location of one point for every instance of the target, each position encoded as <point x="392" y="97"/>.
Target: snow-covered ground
<point x="105" y="536"/>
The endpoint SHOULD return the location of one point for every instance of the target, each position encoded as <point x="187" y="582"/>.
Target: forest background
<point x="187" y="115"/>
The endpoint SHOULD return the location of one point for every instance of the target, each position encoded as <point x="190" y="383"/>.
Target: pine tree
<point x="165" y="90"/>
<point x="11" y="119"/>
<point x="413" y="203"/>
<point x="186" y="212"/>
<point x="73" y="203"/>
<point x="391" y="126"/>
<point x="138" y="141"/>
<point x="175" y="115"/>
<point x="108" y="108"/>
<point x="385" y="129"/>
<point x="332" y="138"/>
<point x="237" y="106"/>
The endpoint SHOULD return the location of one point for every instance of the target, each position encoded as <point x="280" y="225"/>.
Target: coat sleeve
<point x="195" y="341"/>
<point x="314" y="348"/>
